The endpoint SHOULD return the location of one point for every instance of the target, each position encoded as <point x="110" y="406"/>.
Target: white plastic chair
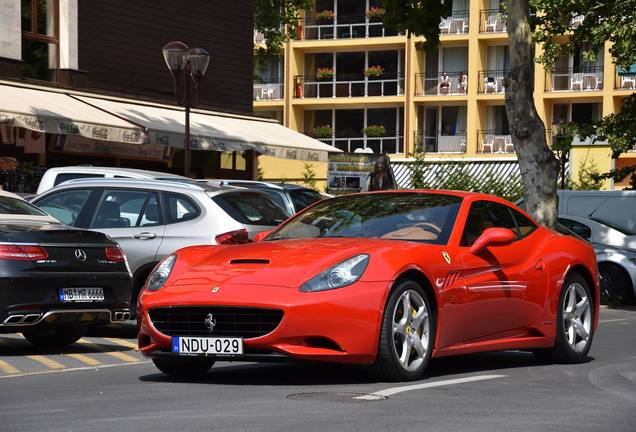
<point x="267" y="92"/>
<point x="445" y="25"/>
<point x="491" y="23"/>
<point x="490" y="85"/>
<point x="486" y="144"/>
<point x="628" y="81"/>
<point x="576" y="80"/>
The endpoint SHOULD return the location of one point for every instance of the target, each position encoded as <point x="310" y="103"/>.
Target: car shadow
<point x="124" y="330"/>
<point x="17" y="346"/>
<point x="316" y="374"/>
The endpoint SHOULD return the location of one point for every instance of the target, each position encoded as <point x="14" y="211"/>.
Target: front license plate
<point x="207" y="345"/>
<point x="80" y="295"/>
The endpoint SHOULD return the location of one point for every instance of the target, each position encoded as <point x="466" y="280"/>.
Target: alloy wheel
<point x="577" y="317"/>
<point x="410" y="330"/>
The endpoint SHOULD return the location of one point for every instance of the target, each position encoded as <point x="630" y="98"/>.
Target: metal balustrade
<point x="391" y="143"/>
<point x="457" y="23"/>
<point x="491" y="81"/>
<point x="342" y="27"/>
<point x="492" y="21"/>
<point x="269" y="91"/>
<point x="357" y="85"/>
<point x="493" y="141"/>
<point x="625" y="81"/>
<point x="451" y="83"/>
<point x="441" y="142"/>
<point x="583" y="79"/>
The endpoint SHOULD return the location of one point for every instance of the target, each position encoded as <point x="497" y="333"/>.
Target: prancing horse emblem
<point x="210" y="322"/>
<point x="215" y="290"/>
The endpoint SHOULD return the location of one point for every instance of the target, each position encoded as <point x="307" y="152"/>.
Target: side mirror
<point x="261" y="235"/>
<point x="492" y="237"/>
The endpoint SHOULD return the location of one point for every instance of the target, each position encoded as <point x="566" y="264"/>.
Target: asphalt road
<point x="506" y="391"/>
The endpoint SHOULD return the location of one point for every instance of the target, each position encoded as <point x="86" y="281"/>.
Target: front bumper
<point x="31" y="299"/>
<point x="340" y="325"/>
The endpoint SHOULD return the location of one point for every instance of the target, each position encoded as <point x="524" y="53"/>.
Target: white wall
<point x="10" y="31"/>
<point x="68" y="34"/>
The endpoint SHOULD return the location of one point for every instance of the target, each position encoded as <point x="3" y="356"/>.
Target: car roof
<point x="88" y="169"/>
<point x="177" y="184"/>
<point x="243" y="183"/>
<point x="10" y="194"/>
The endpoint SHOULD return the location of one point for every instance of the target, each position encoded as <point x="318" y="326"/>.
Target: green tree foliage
<point x="417" y="17"/>
<point x="272" y="16"/>
<point x="587" y="177"/>
<point x="309" y="176"/>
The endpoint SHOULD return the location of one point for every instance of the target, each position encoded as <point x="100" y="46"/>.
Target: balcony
<point x="269" y="91"/>
<point x="495" y="142"/>
<point x="342" y="27"/>
<point x="492" y="82"/>
<point x="585" y="79"/>
<point x="354" y="85"/>
<point x="385" y="144"/>
<point x="625" y="81"/>
<point x="457" y="23"/>
<point x="492" y="21"/>
<point x="259" y="38"/>
<point x="452" y="83"/>
<point x="439" y="142"/>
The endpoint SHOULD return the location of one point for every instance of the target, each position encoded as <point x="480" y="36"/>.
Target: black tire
<point x="616" y="285"/>
<point x="138" y="283"/>
<point x="188" y="367"/>
<point x="387" y="366"/>
<point x="54" y="337"/>
<point x="563" y="352"/>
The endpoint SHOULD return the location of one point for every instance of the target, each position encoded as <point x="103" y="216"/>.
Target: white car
<point x="615" y="254"/>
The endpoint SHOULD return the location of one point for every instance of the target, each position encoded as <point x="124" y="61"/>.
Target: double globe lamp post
<point x="187" y="67"/>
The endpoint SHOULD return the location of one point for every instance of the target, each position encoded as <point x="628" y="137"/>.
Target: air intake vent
<point x="249" y="261"/>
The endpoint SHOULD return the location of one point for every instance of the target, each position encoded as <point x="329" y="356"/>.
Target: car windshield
<point x="618" y="228"/>
<point x="14" y="206"/>
<point x="422" y="217"/>
<point x="304" y="198"/>
<point x="251" y="208"/>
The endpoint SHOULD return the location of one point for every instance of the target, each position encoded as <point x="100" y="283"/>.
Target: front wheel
<point x="54" y="337"/>
<point x="184" y="367"/>
<point x="575" y="323"/>
<point x="407" y="334"/>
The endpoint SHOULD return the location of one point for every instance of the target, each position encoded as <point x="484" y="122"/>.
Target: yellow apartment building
<point x="351" y="83"/>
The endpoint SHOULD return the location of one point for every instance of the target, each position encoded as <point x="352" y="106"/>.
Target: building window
<point x="40" y="39"/>
<point x="233" y="161"/>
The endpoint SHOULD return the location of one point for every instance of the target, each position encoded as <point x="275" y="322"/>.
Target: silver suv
<point x="152" y="218"/>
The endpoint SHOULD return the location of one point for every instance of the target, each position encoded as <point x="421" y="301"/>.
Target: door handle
<point x="540" y="265"/>
<point x="144" y="236"/>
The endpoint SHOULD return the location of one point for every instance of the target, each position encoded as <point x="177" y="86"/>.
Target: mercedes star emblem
<point x="210" y="322"/>
<point x="80" y="255"/>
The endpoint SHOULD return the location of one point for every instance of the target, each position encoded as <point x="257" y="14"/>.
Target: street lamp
<point x="187" y="67"/>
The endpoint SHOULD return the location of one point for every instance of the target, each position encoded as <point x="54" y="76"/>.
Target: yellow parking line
<point x="49" y="363"/>
<point x="102" y="349"/>
<point x="7" y="368"/>
<point x="84" y="359"/>
<point x="123" y="342"/>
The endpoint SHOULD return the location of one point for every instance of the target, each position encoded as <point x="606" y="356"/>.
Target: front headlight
<point x="161" y="273"/>
<point x="338" y="276"/>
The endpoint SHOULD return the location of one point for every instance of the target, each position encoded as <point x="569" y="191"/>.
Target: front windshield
<point x="422" y="217"/>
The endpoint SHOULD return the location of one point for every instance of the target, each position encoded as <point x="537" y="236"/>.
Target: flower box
<point x="324" y="131"/>
<point x="325" y="73"/>
<point x="374" y="131"/>
<point x="375" y="13"/>
<point x="374" y="71"/>
<point x="325" y="15"/>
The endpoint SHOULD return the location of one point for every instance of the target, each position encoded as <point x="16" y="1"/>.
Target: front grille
<point x="230" y="321"/>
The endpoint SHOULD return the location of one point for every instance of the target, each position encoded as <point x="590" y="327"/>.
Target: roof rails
<point x="186" y="184"/>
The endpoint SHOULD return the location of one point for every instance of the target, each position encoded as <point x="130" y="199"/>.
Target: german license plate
<point x="207" y="345"/>
<point x="80" y="295"/>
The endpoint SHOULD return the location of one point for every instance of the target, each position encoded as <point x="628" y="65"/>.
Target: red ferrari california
<point x="387" y="279"/>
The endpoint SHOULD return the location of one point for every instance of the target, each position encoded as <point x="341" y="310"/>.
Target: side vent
<point x="249" y="261"/>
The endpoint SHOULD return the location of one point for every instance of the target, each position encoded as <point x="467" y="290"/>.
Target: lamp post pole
<point x="189" y="65"/>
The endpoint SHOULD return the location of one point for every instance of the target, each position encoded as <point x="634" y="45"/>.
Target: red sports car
<point x="388" y="279"/>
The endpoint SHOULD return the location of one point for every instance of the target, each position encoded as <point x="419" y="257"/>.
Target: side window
<point x="483" y="215"/>
<point x="122" y="208"/>
<point x="66" y="205"/>
<point x="179" y="208"/>
<point x="524" y="225"/>
<point x="577" y="227"/>
<point x="62" y="177"/>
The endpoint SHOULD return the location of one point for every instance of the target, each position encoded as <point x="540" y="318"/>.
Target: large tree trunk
<point x="538" y="164"/>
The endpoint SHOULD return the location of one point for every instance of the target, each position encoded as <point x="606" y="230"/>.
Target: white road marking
<point x="395" y="390"/>
<point x="84" y="368"/>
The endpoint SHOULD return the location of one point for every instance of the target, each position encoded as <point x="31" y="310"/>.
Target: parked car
<point x="616" y="209"/>
<point x="152" y="218"/>
<point x="292" y="197"/>
<point x="615" y="254"/>
<point x="55" y="176"/>
<point x="57" y="280"/>
<point x="386" y="279"/>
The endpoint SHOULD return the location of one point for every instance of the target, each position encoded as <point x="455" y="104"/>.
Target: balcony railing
<point x="492" y="21"/>
<point x="625" y="81"/>
<point x="491" y="81"/>
<point x="440" y="142"/>
<point x="585" y="79"/>
<point x="258" y="37"/>
<point x="342" y="27"/>
<point x="357" y="85"/>
<point x="269" y="91"/>
<point x="457" y="23"/>
<point x="493" y="141"/>
<point x="385" y="144"/>
<point x="452" y="83"/>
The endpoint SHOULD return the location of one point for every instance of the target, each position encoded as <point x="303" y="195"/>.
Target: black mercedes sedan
<point x="56" y="280"/>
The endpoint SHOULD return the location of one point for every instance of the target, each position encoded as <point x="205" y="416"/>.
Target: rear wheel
<point x="184" y="367"/>
<point x="615" y="284"/>
<point x="54" y="337"/>
<point x="407" y="334"/>
<point x="575" y="323"/>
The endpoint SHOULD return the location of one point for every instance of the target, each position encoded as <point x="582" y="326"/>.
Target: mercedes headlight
<point x="338" y="276"/>
<point x="161" y="273"/>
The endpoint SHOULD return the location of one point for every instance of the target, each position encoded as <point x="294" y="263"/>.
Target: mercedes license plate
<point x="78" y="295"/>
<point x="207" y="345"/>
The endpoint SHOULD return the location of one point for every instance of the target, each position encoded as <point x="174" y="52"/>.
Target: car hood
<point x="288" y="263"/>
